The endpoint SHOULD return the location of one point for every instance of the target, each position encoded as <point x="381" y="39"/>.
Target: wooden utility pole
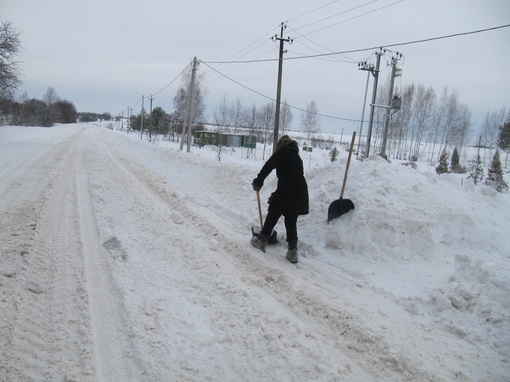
<point x="150" y="119"/>
<point x="279" y="84"/>
<point x="368" y="67"/>
<point x="393" y="64"/>
<point x="188" y="117"/>
<point x="141" y="123"/>
<point x="372" y="104"/>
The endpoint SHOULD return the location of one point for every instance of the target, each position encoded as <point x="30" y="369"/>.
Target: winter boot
<point x="259" y="242"/>
<point x="292" y="254"/>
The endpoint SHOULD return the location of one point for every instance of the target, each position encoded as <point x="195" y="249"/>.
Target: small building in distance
<point x="213" y="138"/>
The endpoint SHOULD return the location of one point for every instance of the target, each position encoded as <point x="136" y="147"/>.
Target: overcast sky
<point x="103" y="55"/>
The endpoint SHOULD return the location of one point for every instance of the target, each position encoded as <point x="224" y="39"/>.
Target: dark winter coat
<point x="291" y="195"/>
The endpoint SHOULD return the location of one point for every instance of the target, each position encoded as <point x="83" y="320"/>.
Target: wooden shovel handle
<point x="260" y="209"/>
<point x="348" y="163"/>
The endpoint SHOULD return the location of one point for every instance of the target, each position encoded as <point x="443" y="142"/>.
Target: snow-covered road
<point x="125" y="261"/>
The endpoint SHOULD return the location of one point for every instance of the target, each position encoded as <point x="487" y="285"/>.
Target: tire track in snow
<point x="48" y="338"/>
<point x="46" y="299"/>
<point x="114" y="353"/>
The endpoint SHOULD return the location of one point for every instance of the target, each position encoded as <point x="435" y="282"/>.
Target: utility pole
<point x="279" y="84"/>
<point x="150" y="119"/>
<point x="369" y="68"/>
<point x="375" y="73"/>
<point x="394" y="60"/>
<point x="189" y="109"/>
<point x="141" y="123"/>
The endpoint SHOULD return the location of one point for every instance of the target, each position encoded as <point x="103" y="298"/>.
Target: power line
<point x="366" y="49"/>
<point x="355" y="17"/>
<point x="263" y="40"/>
<point x="329" y="17"/>
<point x="137" y="102"/>
<point x="320" y="46"/>
<point x="272" y="99"/>
<point x="313" y="10"/>
<point x="337" y="14"/>
<point x="175" y="79"/>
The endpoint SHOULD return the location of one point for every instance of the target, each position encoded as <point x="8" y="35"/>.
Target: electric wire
<point x="355" y="17"/>
<point x="262" y="40"/>
<point x="274" y="100"/>
<point x="137" y="102"/>
<point x="320" y="46"/>
<point x="320" y="20"/>
<point x="175" y="79"/>
<point x="337" y="14"/>
<point x="367" y="49"/>
<point x="313" y="10"/>
<point x="207" y="63"/>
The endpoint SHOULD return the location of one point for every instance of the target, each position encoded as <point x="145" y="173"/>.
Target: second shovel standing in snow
<point x="342" y="206"/>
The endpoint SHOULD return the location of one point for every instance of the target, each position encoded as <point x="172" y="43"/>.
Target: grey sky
<point x="104" y="55"/>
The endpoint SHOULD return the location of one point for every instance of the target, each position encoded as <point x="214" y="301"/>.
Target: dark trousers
<point x="290" y="224"/>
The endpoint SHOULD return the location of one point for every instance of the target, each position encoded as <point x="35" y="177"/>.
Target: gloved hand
<point x="256" y="184"/>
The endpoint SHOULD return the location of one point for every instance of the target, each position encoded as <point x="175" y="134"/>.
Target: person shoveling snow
<point x="290" y="198"/>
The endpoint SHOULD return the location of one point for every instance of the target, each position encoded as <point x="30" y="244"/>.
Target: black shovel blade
<point x="273" y="239"/>
<point x="339" y="207"/>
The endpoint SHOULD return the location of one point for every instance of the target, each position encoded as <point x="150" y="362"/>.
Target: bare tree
<point x="402" y="127"/>
<point x="285" y="118"/>
<point x="490" y="130"/>
<point x="464" y="126"/>
<point x="180" y="102"/>
<point x="10" y="46"/>
<point x="251" y="121"/>
<point x="451" y="120"/>
<point x="222" y="119"/>
<point x="50" y="99"/>
<point x="266" y="120"/>
<point x="422" y="117"/>
<point x="198" y="102"/>
<point x="444" y="122"/>
<point x="310" y="120"/>
<point x="236" y="118"/>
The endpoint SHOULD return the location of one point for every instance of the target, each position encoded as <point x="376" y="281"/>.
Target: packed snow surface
<point x="125" y="260"/>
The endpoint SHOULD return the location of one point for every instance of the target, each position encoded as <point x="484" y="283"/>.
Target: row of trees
<point x="427" y="123"/>
<point x="34" y="112"/>
<point x="94" y="117"/>
<point x="229" y="117"/>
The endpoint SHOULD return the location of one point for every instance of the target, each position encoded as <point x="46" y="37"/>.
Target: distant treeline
<point x="46" y="112"/>
<point x="94" y="117"/>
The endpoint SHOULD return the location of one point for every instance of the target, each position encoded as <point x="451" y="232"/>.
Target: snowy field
<point x="122" y="260"/>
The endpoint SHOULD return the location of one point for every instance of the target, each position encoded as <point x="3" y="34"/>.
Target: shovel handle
<point x="348" y="163"/>
<point x="260" y="209"/>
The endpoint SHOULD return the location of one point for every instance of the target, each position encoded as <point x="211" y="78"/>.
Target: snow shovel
<point x="342" y="206"/>
<point x="256" y="230"/>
